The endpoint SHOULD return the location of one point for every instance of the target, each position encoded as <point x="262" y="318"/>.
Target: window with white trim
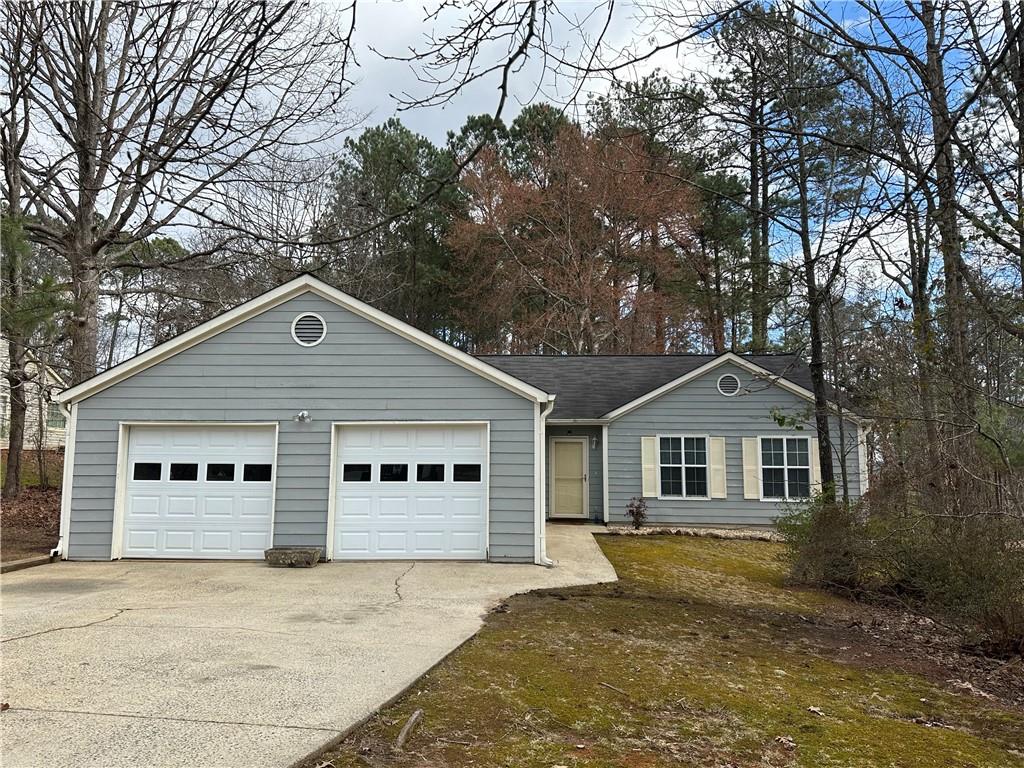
<point x="55" y="416"/>
<point x="683" y="466"/>
<point x="785" y="468"/>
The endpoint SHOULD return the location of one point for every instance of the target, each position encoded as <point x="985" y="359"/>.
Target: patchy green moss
<point x="748" y="573"/>
<point x="697" y="657"/>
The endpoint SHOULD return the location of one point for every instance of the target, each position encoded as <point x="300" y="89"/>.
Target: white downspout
<point x="63" y="542"/>
<point x="542" y="481"/>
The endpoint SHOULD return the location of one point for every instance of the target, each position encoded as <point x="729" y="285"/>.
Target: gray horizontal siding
<point x="698" y="408"/>
<point x="255" y="372"/>
<point x="596" y="471"/>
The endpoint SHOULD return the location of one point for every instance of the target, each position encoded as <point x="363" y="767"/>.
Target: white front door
<point x="411" y="491"/>
<point x="199" y="491"/>
<point x="569" y="481"/>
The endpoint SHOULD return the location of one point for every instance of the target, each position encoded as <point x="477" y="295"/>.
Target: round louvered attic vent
<point x="728" y="385"/>
<point x="309" y="329"/>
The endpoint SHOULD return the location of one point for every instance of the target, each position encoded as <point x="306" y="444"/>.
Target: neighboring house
<point x="306" y="417"/>
<point x="44" y="420"/>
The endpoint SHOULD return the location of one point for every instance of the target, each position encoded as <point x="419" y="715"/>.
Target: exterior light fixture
<point x="302" y="417"/>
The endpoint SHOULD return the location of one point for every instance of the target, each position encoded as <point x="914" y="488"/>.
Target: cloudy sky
<point x="393" y="28"/>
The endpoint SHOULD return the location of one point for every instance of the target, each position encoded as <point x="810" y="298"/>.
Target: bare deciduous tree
<point x="126" y="118"/>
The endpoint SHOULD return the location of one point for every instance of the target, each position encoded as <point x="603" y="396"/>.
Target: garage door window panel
<point x="182" y="472"/>
<point x="220" y="473"/>
<point x="356" y="473"/>
<point x="430" y="473"/>
<point x="394" y="473"/>
<point x="257" y="473"/>
<point x="466" y="473"/>
<point x="146" y="470"/>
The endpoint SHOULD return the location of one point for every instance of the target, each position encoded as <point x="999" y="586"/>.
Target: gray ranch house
<point x="305" y="417"/>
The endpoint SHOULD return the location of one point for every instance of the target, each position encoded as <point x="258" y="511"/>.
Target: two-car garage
<point x="400" y="491"/>
<point x="304" y="418"/>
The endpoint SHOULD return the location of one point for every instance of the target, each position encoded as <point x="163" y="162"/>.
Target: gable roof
<point x="300" y="285"/>
<point x="604" y="387"/>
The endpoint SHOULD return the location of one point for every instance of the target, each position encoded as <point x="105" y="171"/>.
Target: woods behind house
<point x="841" y="182"/>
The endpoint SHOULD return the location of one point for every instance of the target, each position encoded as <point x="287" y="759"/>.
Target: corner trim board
<point x="604" y="470"/>
<point x="540" y="556"/>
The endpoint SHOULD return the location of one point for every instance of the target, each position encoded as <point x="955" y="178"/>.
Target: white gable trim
<point x="298" y="286"/>
<point x="726" y="357"/>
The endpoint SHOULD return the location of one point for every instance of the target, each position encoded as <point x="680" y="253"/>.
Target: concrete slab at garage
<point x="232" y="663"/>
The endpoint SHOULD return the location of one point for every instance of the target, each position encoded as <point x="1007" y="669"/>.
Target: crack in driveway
<point x="398" y="584"/>
<point x="114" y="615"/>
<point x="170" y="718"/>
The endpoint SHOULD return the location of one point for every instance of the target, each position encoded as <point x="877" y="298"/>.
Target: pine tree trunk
<point x="814" y="307"/>
<point x="758" y="281"/>
<point x="718" y="323"/>
<point x="958" y="356"/>
<point x="16" y="377"/>
<point x="924" y="341"/>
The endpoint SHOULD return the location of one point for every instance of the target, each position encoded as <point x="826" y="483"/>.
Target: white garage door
<point x="199" y="491"/>
<point x="411" y="492"/>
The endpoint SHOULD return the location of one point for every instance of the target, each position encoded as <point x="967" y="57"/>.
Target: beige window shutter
<point x="815" y="467"/>
<point x="751" y="469"/>
<point x="649" y="465"/>
<point x="717" y="468"/>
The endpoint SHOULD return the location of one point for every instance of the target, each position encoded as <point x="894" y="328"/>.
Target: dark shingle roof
<point x="589" y="386"/>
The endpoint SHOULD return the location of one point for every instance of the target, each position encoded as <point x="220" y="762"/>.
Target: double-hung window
<point x="55" y="416"/>
<point x="683" y="466"/>
<point x="785" y="468"/>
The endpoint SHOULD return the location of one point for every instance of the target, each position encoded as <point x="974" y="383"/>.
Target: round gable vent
<point x="728" y="385"/>
<point x="309" y="329"/>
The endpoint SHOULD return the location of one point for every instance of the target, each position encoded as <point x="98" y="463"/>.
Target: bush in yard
<point x="826" y="545"/>
<point x="636" y="511"/>
<point x="904" y="544"/>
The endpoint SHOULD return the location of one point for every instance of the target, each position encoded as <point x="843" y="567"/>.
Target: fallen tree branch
<point x="414" y="718"/>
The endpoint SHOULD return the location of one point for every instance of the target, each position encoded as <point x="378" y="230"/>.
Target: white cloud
<point x="395" y="28"/>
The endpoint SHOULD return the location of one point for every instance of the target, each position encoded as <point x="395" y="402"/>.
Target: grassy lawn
<point x="699" y="656"/>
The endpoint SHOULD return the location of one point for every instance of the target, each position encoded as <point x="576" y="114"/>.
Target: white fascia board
<point x="726" y="357"/>
<point x="279" y="295"/>
<point x="577" y="422"/>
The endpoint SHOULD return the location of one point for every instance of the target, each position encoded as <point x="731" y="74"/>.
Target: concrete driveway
<point x="234" y="664"/>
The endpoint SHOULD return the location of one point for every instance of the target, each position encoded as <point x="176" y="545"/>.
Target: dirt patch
<point x="29" y="524"/>
<point x="699" y="656"/>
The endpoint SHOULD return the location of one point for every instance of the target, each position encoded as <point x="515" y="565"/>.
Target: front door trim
<point x="584" y="444"/>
